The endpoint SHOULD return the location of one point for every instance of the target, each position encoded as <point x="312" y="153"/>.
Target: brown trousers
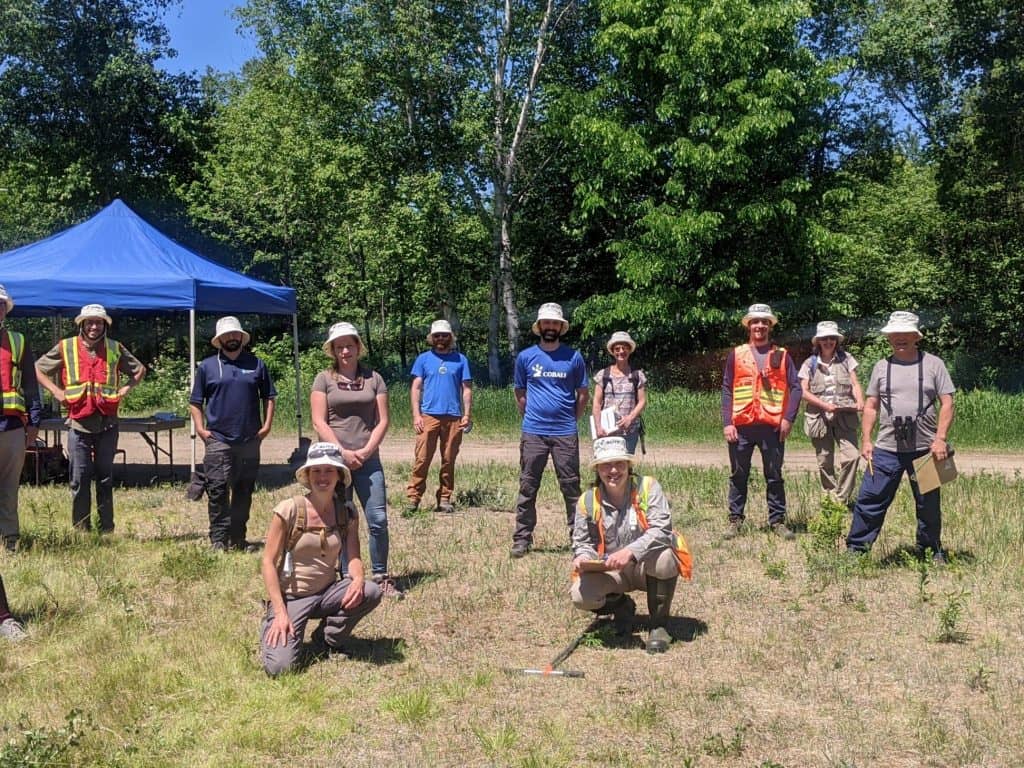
<point x="446" y="431"/>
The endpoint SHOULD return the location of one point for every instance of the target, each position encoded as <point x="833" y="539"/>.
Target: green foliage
<point x="43" y="746"/>
<point x="189" y="564"/>
<point x="950" y="617"/>
<point x="718" y="745"/>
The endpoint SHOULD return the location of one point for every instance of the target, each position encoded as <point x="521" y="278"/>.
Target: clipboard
<point x="593" y="565"/>
<point x="932" y="474"/>
<point x="609" y="418"/>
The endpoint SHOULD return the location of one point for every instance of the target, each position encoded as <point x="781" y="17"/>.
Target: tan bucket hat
<point x="226" y="325"/>
<point x="93" y="310"/>
<point x="550" y="311"/>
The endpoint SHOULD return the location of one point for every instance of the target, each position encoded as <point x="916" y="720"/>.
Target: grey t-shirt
<point x="904" y="401"/>
<point x="351" y="409"/>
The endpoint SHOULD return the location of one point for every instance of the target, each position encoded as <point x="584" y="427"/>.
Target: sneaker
<point x="446" y="507"/>
<point x="219" y="546"/>
<point x="411" y="509"/>
<point x="939" y="558"/>
<point x="243" y="546"/>
<point x="388" y="588"/>
<point x="11" y="543"/>
<point x="734" y="529"/>
<point x="780" y="529"/>
<point x="12" y="629"/>
<point x="519" y="548"/>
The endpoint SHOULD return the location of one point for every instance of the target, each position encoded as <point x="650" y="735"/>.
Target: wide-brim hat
<point x="227" y="325"/>
<point x="93" y="310"/>
<point x="440" y="326"/>
<point x="323" y="455"/>
<point x="825" y="329"/>
<point x="621" y="337"/>
<point x="5" y="297"/>
<point x="550" y="311"/>
<point x="762" y="311"/>
<point x="902" y="322"/>
<point x="610" y="449"/>
<point x="337" y="331"/>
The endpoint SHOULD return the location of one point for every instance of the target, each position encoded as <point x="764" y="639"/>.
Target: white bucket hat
<point x="550" y="311"/>
<point x="762" y="311"/>
<point x="610" y="449"/>
<point x="6" y="298"/>
<point x="229" y="324"/>
<point x="337" y="331"/>
<point x="902" y="322"/>
<point x="621" y="337"/>
<point x="93" y="310"/>
<point x="440" y="326"/>
<point x="826" y="328"/>
<point x="323" y="455"/>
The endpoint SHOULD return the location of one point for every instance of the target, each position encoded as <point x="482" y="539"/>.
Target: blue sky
<point x="204" y="34"/>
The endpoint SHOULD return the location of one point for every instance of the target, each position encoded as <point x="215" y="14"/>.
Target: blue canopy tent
<point x="119" y="260"/>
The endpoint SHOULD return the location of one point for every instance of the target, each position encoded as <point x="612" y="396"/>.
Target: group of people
<point x="619" y="529"/>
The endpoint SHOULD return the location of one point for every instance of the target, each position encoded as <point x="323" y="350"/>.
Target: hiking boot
<point x="735" y="528"/>
<point x="780" y="529"/>
<point x="218" y="546"/>
<point x="519" y="548"/>
<point x="623" y="612"/>
<point x="388" y="588"/>
<point x="12" y="629"/>
<point x="659" y="603"/>
<point x="243" y="546"/>
<point x="411" y="509"/>
<point x="446" y="507"/>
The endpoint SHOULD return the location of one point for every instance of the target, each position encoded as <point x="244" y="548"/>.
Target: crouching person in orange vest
<point x="90" y="366"/>
<point x="623" y="542"/>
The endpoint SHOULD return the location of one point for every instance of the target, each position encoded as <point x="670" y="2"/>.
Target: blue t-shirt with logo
<point x="550" y="380"/>
<point x="442" y="376"/>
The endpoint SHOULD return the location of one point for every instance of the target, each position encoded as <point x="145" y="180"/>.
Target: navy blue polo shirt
<point x="232" y="391"/>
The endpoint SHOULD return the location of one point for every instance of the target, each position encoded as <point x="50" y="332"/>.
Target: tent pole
<point x="298" y="376"/>
<point x="192" y="379"/>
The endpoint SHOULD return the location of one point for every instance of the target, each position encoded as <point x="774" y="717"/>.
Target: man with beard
<point x="19" y="421"/>
<point x="234" y="383"/>
<point x="442" y="398"/>
<point x="910" y="395"/>
<point x="760" y="399"/>
<point x="551" y="392"/>
<point x="90" y="366"/>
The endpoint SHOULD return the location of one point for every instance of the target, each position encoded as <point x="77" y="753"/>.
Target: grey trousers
<point x="592" y="588"/>
<point x="838" y="457"/>
<point x="92" y="457"/>
<point x="337" y="623"/>
<point x="12" y="459"/>
<point x="533" y="457"/>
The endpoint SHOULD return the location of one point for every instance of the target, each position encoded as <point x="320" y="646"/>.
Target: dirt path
<point x="277" y="450"/>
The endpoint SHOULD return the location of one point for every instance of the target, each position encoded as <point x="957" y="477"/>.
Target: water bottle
<point x="289" y="565"/>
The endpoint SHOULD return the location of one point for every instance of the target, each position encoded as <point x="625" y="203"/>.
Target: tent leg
<point x="192" y="380"/>
<point x="298" y="377"/>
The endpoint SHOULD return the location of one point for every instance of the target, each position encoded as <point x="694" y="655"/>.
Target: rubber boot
<point x="659" y="602"/>
<point x="623" y="611"/>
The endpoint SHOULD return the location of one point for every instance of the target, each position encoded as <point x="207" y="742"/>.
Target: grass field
<point x="143" y="648"/>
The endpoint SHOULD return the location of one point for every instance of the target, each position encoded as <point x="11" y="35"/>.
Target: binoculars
<point x="905" y="428"/>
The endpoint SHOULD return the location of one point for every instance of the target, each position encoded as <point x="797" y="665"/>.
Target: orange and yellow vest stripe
<point x="90" y="383"/>
<point x="759" y="396"/>
<point x="12" y="349"/>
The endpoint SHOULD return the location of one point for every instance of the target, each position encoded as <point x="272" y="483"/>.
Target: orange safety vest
<point x="90" y="383"/>
<point x="12" y="349"/>
<point x="759" y="397"/>
<point x="591" y="503"/>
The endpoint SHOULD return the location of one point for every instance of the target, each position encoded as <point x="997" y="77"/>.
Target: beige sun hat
<point x="550" y="311"/>
<point x="6" y="298"/>
<point x="610" y="449"/>
<point x="826" y="328"/>
<point x="902" y="322"/>
<point x="440" y="326"/>
<point x="762" y="311"/>
<point x="621" y="337"/>
<point x="337" y="331"/>
<point x="323" y="455"/>
<point x="93" y="310"/>
<point x="227" y="325"/>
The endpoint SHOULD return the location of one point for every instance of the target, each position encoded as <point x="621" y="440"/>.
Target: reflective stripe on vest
<point x="758" y="396"/>
<point x="90" y="383"/>
<point x="639" y="501"/>
<point x="12" y="348"/>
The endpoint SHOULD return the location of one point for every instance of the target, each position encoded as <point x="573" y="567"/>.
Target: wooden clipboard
<point x="932" y="474"/>
<point x="593" y="565"/>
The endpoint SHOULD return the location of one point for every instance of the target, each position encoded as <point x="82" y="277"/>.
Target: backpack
<point x="342" y="510"/>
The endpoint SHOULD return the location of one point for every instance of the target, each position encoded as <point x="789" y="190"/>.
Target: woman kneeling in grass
<point x="623" y="541"/>
<point x="300" y="564"/>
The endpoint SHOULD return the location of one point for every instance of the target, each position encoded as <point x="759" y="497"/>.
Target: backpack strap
<point x="606" y="378"/>
<point x="296" y="530"/>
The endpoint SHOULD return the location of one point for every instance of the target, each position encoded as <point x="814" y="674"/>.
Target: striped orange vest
<point x="90" y="383"/>
<point x="759" y="397"/>
<point x="12" y="348"/>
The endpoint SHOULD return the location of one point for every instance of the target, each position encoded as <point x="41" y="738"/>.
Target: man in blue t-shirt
<point x="442" y="399"/>
<point x="551" y="392"/>
<point x="233" y="384"/>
